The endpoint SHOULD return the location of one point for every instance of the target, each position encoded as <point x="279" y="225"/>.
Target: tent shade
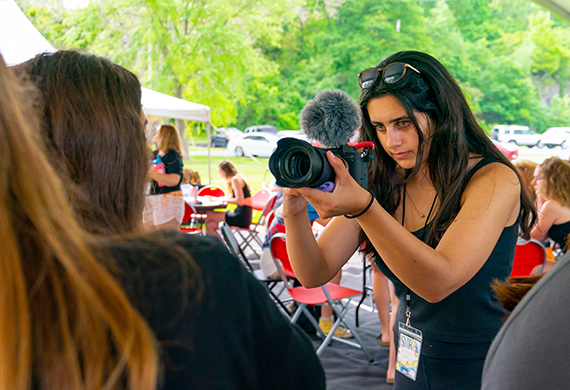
<point x="19" y="39"/>
<point x="561" y="7"/>
<point x="159" y="104"/>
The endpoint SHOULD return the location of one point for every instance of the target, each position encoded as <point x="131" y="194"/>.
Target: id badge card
<point x="409" y="347"/>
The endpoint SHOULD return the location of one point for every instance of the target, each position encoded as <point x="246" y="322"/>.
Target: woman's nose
<point x="393" y="138"/>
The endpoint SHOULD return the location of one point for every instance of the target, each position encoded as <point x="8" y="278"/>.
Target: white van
<point x="520" y="135"/>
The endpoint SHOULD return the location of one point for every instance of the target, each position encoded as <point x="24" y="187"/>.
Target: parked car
<point x="299" y="134"/>
<point x="220" y="138"/>
<point x="253" y="144"/>
<point x="555" y="136"/>
<point x="261" y="128"/>
<point x="520" y="135"/>
<point x="510" y="150"/>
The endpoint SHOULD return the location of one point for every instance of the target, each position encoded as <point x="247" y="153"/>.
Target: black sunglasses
<point x="390" y="74"/>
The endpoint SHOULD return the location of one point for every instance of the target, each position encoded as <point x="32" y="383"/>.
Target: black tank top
<point x="471" y="314"/>
<point x="559" y="234"/>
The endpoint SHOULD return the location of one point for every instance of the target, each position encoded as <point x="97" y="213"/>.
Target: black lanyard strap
<point x="408" y="292"/>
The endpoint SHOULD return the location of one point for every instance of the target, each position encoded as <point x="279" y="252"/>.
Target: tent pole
<point x="209" y="160"/>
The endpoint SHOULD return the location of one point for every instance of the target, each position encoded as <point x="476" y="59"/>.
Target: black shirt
<point x="229" y="336"/>
<point x="172" y="164"/>
<point x="470" y="315"/>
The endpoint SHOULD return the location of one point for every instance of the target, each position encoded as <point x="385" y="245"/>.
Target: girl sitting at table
<point x="241" y="196"/>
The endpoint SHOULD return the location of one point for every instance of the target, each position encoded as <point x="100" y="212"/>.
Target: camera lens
<point x="295" y="163"/>
<point x="298" y="164"/>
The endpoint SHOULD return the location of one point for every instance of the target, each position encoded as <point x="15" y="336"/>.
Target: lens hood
<point x="296" y="163"/>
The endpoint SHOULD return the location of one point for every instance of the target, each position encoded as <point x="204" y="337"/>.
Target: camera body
<point x="296" y="163"/>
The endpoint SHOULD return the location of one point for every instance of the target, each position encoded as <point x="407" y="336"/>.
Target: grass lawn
<point x="256" y="172"/>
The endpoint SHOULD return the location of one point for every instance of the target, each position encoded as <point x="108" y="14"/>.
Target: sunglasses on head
<point x="390" y="74"/>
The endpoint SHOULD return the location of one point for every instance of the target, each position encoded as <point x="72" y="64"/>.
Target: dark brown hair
<point x="510" y="292"/>
<point x="455" y="131"/>
<point x="90" y="114"/>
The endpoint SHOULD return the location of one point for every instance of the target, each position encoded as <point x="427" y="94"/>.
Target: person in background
<point x="526" y="169"/>
<point x="552" y="187"/>
<point x="165" y="204"/>
<point x="191" y="177"/>
<point x="241" y="190"/>
<point x="71" y="325"/>
<point x="387" y="306"/>
<point x="91" y="121"/>
<point x="441" y="217"/>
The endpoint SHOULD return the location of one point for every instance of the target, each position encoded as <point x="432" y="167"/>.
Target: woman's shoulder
<point x="489" y="170"/>
<point x="172" y="156"/>
<point x="551" y="206"/>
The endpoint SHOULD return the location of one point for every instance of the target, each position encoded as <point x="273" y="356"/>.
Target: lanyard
<point x="408" y="300"/>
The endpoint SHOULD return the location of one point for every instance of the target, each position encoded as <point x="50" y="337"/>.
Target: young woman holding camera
<point x="441" y="218"/>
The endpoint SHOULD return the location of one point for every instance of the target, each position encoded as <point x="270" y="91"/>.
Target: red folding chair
<point x="329" y="294"/>
<point x="210" y="190"/>
<point x="189" y="221"/>
<point x="530" y="258"/>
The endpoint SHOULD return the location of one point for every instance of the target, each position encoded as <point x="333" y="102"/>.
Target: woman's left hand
<point x="348" y="196"/>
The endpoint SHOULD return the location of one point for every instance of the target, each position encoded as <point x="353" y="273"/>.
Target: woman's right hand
<point x="293" y="202"/>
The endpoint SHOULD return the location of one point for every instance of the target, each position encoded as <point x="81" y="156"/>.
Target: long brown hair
<point x="64" y="321"/>
<point x="230" y="169"/>
<point x="168" y="139"/>
<point x="556" y="177"/>
<point x="91" y="119"/>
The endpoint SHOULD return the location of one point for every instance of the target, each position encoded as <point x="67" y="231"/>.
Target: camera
<point x="296" y="163"/>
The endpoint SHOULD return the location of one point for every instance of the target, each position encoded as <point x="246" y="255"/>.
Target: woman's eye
<point x="380" y="128"/>
<point x="404" y="123"/>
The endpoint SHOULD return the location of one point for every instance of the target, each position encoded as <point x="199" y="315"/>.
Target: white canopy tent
<point x="20" y="41"/>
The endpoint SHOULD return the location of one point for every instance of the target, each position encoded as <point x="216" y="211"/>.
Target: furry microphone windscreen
<point x="331" y="118"/>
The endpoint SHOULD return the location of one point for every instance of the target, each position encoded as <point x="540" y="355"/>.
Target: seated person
<point x="241" y="196"/>
<point x="526" y="169"/>
<point x="552" y="185"/>
<point x="191" y="177"/>
<point x="268" y="267"/>
<point x="145" y="292"/>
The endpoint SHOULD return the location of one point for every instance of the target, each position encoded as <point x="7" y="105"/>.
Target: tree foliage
<point x="258" y="62"/>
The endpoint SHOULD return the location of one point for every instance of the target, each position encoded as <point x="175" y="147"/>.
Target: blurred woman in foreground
<point x="66" y="323"/>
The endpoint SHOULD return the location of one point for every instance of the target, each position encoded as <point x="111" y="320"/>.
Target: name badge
<point x="409" y="347"/>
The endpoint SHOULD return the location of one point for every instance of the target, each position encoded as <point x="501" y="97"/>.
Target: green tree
<point x="200" y="50"/>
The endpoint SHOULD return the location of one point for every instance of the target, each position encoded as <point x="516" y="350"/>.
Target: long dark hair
<point x="455" y="134"/>
<point x="90" y="113"/>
